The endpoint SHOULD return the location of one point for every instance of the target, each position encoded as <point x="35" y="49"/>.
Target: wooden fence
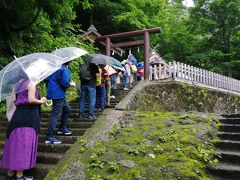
<point x="177" y="70"/>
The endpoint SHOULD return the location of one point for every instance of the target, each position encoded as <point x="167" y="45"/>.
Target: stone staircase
<point x="48" y="154"/>
<point x="228" y="148"/>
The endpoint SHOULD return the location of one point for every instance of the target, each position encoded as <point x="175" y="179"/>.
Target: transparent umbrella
<point x="34" y="67"/>
<point x="69" y="53"/>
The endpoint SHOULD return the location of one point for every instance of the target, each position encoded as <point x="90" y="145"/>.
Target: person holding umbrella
<point x="88" y="88"/>
<point x="21" y="132"/>
<point x="57" y="83"/>
<point x="127" y="74"/>
<point x="21" y="77"/>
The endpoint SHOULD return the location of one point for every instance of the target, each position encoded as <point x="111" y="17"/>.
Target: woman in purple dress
<point x="20" y="149"/>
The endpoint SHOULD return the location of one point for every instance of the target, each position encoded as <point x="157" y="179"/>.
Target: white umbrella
<point x="110" y="70"/>
<point x="69" y="53"/>
<point x="34" y="67"/>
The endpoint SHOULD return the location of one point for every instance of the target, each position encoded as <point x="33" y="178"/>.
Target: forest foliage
<point x="206" y="35"/>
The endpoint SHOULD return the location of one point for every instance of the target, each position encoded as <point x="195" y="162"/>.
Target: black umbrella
<point x="102" y="59"/>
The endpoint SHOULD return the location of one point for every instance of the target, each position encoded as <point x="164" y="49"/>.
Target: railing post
<point x="164" y="71"/>
<point x="170" y="71"/>
<point x="208" y="77"/>
<point x="197" y="74"/>
<point x="174" y="69"/>
<point x="160" y="71"/>
<point x="155" y="72"/>
<point x="204" y="76"/>
<point x="178" y="69"/>
<point x="150" y="73"/>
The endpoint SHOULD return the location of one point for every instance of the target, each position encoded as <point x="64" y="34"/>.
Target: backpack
<point x="85" y="73"/>
<point x="134" y="68"/>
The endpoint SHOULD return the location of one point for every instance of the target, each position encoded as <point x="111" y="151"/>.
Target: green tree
<point x="36" y="25"/>
<point x="216" y="26"/>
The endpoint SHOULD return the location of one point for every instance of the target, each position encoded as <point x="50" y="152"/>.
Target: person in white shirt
<point x="126" y="75"/>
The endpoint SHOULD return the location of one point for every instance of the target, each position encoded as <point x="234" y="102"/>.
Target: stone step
<point x="116" y="100"/>
<point x="75" y="131"/>
<point x="235" y="115"/>
<point x="64" y="139"/>
<point x="76" y="106"/>
<point x="67" y="141"/>
<point x="230" y="121"/>
<point x="48" y="158"/>
<point x="228" y="145"/>
<point x="229" y="136"/>
<point x="43" y="130"/>
<point x="72" y="115"/>
<point x="215" y="177"/>
<point x="53" y="148"/>
<point x="232" y="157"/>
<point x="70" y="124"/>
<point x="230" y="127"/>
<point x="38" y="172"/>
<point x="76" y="119"/>
<point x="225" y="170"/>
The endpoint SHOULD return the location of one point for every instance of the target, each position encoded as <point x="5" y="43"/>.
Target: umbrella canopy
<point x="34" y="67"/>
<point x="102" y="59"/>
<point x="69" y="53"/>
<point x="110" y="70"/>
<point x="141" y="65"/>
<point x="133" y="59"/>
<point x="119" y="68"/>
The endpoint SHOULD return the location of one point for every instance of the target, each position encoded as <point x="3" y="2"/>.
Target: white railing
<point x="196" y="75"/>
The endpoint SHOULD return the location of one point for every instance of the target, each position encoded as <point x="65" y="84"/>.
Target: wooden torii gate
<point x="144" y="42"/>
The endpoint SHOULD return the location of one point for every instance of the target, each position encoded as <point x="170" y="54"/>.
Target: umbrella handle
<point x="49" y="102"/>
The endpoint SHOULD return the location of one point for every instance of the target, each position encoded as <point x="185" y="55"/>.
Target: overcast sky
<point x="188" y="3"/>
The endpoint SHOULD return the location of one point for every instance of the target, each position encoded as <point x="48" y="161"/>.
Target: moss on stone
<point x="161" y="151"/>
<point x="185" y="97"/>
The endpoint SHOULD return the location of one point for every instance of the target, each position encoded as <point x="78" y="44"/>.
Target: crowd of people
<point x="98" y="86"/>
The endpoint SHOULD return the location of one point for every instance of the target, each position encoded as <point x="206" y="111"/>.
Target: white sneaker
<point x="112" y="97"/>
<point x="125" y="89"/>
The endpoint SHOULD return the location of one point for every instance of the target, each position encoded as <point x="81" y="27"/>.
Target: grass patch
<point x="154" y="145"/>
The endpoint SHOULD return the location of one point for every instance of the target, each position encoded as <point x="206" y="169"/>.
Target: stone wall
<point x="176" y="96"/>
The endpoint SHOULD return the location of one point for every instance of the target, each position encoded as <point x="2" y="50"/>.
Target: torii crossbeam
<point x="144" y="42"/>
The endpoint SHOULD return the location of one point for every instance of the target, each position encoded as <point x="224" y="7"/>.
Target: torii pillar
<point x="145" y="42"/>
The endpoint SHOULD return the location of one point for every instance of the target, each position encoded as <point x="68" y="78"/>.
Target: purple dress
<point x="20" y="149"/>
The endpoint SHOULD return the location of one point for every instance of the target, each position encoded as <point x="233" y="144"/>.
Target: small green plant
<point x="96" y="177"/>
<point x="179" y="146"/>
<point x="97" y="164"/>
<point x="100" y="151"/>
<point x="113" y="166"/>
<point x="158" y="149"/>
<point x="82" y="145"/>
<point x="133" y="152"/>
<point x="206" y="155"/>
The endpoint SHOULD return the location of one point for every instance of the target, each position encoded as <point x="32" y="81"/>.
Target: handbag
<point x="10" y="105"/>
